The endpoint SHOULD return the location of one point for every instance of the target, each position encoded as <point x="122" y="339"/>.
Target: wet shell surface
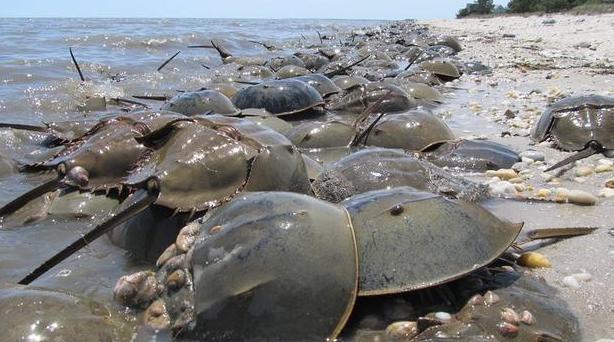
<point x="281" y="97"/>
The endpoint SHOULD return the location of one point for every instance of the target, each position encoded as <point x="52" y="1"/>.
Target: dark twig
<point x="358" y="136"/>
<point x="168" y="60"/>
<point x="76" y="64"/>
<point x="120" y="100"/>
<point x="320" y="36"/>
<point x="151" y="97"/>
<point x="413" y="60"/>
<point x="205" y="66"/>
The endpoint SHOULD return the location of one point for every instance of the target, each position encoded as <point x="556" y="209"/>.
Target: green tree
<point x="477" y="7"/>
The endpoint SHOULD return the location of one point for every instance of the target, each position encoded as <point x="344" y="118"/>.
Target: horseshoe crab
<point x="313" y="61"/>
<point x="227" y="57"/>
<point x="360" y="98"/>
<point x="289" y="71"/>
<point x="411" y="131"/>
<point x="201" y="102"/>
<point x="281" y="97"/>
<point x="99" y="160"/>
<point x="233" y="270"/>
<point x="473" y="155"/>
<point x="443" y="69"/>
<point x="348" y="82"/>
<point x="580" y="123"/>
<point x="318" y="134"/>
<point x="34" y="314"/>
<point x="396" y="228"/>
<point x="230" y="262"/>
<point x="198" y="165"/>
<point x="419" y="91"/>
<point x="280" y="62"/>
<point x="449" y="41"/>
<point x="321" y="83"/>
<point x="380" y="168"/>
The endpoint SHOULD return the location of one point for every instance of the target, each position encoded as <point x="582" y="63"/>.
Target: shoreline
<point x="534" y="63"/>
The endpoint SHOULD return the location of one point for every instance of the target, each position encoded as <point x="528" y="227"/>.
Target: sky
<point x="329" y="9"/>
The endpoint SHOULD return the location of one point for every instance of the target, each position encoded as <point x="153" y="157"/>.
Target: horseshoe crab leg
<point x="138" y="202"/>
<point x="24" y="199"/>
<point x="592" y="148"/>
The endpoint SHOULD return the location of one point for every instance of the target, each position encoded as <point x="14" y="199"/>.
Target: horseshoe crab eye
<point x="62" y="169"/>
<point x="152" y="185"/>
<point x="78" y="175"/>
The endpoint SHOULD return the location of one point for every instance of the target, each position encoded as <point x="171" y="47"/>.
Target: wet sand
<point x="535" y="61"/>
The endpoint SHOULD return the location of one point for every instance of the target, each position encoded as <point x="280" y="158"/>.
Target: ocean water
<point x="38" y="80"/>
<point x="119" y="58"/>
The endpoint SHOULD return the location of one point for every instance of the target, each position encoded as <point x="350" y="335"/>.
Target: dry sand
<point x="535" y="61"/>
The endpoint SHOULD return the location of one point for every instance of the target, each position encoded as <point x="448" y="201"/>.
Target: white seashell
<point x="606" y="192"/>
<point x="581" y="197"/>
<point x="527" y="318"/>
<point x="571" y="282"/>
<point x="583" y="171"/>
<point x="584" y="276"/>
<point x="502" y="188"/>
<point x="491" y="298"/>
<point x="443" y="316"/>
<point x="510" y="316"/>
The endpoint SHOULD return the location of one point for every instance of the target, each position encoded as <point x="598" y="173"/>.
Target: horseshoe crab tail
<point x="25" y="127"/>
<point x="592" y="148"/>
<point x="137" y="202"/>
<point x="221" y="50"/>
<point x="24" y="199"/>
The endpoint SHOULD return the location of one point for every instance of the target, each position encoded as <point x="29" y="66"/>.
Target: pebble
<point x="443" y="316"/>
<point x="402" y="331"/>
<point x="520" y="187"/>
<point x="534" y="155"/>
<point x="507" y="329"/>
<point x="510" y="316"/>
<point x="515" y="180"/>
<point x="581" y="197"/>
<point x="580" y="180"/>
<point x="583" y="171"/>
<point x="607" y="162"/>
<point x="571" y="282"/>
<point x="527" y="160"/>
<point x="491" y="298"/>
<point x="503" y="174"/>
<point x="544" y="193"/>
<point x="527" y="318"/>
<point x="502" y="188"/>
<point x="547" y="177"/>
<point x="606" y="192"/>
<point x="574" y="281"/>
<point x="609" y="183"/>
<point x="533" y="260"/>
<point x="520" y="166"/>
<point x="604" y="168"/>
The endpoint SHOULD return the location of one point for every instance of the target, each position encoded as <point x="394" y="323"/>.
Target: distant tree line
<point x="481" y="7"/>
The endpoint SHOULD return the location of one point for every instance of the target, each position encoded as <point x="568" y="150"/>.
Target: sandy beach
<point x="535" y="61"/>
